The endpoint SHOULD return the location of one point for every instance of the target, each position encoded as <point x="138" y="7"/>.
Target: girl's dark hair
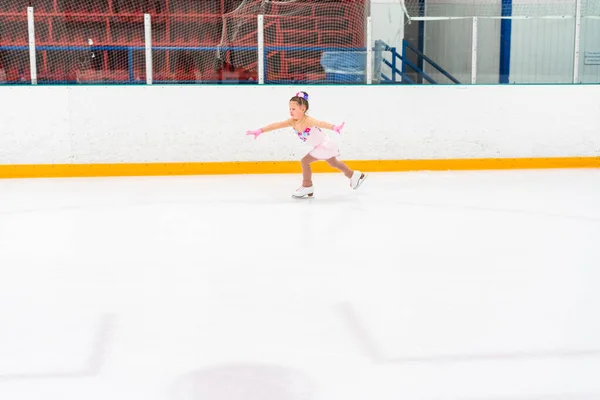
<point x="301" y="98"/>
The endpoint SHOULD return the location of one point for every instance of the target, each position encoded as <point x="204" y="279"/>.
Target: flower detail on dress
<point x="304" y="135"/>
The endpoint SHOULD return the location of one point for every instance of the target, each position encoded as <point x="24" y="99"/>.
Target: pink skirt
<point x="325" y="150"/>
<point x="322" y="147"/>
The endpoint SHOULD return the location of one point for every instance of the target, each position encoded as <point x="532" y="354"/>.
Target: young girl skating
<point x="309" y="131"/>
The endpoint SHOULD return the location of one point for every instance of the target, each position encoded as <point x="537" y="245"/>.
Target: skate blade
<point x="360" y="181"/>
<point x="306" y="196"/>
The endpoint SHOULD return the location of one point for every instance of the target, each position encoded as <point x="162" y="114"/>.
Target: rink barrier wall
<point x="62" y="131"/>
<point x="283" y="167"/>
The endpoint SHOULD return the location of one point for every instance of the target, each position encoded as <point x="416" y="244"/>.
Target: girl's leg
<point x="306" y="170"/>
<point x="335" y="163"/>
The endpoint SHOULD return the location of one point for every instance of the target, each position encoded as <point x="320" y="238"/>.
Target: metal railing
<point x="406" y="64"/>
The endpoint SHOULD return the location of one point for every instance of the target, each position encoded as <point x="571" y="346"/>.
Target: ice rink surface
<point x="418" y="286"/>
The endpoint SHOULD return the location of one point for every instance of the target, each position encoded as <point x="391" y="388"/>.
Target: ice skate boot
<point x="303" y="191"/>
<point x="357" y="179"/>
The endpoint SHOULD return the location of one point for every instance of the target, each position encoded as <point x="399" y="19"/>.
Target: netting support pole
<point x="474" y="51"/>
<point x="32" y="61"/>
<point x="261" y="49"/>
<point x="577" y="42"/>
<point x="148" y="47"/>
<point x="369" y="51"/>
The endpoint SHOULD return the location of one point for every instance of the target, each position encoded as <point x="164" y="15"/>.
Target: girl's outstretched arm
<point x="277" y="125"/>
<point x="270" y="127"/>
<point x="326" y="125"/>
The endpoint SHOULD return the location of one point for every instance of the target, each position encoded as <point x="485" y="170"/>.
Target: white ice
<point x="424" y="285"/>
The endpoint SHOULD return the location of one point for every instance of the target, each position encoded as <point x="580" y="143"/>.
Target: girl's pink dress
<point x="323" y="147"/>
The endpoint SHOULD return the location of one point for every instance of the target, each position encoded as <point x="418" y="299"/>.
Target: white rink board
<point x="146" y="124"/>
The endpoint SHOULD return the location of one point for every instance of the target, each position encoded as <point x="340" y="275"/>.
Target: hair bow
<point x="303" y="95"/>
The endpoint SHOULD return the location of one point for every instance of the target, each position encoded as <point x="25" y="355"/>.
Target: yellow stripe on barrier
<point x="284" y="167"/>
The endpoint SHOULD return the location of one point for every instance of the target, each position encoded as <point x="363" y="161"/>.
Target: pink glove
<point x="254" y="133"/>
<point x="338" y="128"/>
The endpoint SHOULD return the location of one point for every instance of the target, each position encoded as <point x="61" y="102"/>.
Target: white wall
<point x="542" y="49"/>
<point x="114" y="124"/>
<point x="451" y="51"/>
<point x="590" y="42"/>
<point x="449" y="42"/>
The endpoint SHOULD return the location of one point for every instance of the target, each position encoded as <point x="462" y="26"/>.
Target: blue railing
<point x="406" y="46"/>
<point x="393" y="64"/>
<point x="406" y="64"/>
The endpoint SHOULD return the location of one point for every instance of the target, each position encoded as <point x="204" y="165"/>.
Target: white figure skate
<point x="303" y="191"/>
<point x="357" y="179"/>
